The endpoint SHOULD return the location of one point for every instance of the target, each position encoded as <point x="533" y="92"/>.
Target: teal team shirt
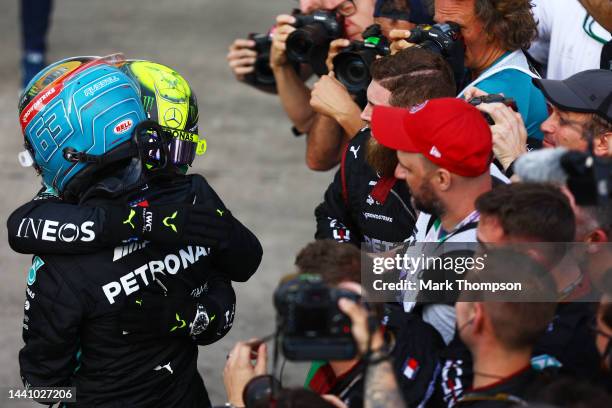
<point x="519" y="86"/>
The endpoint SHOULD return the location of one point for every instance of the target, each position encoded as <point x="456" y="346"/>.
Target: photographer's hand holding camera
<point x="509" y="132"/>
<point x="398" y="40"/>
<point x="381" y="388"/>
<point x="240" y="369"/>
<point x="241" y="57"/>
<point x="294" y="94"/>
<point x="330" y="98"/>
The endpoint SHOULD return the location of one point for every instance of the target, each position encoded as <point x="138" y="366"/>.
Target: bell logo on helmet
<point x="123" y="126"/>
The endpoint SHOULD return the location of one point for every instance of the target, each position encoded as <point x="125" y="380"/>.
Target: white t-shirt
<point x="563" y="44"/>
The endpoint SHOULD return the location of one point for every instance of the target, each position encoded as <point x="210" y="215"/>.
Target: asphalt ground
<point x="253" y="161"/>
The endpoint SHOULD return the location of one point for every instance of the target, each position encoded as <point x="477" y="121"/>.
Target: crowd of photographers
<point x="444" y="131"/>
<point x="460" y="128"/>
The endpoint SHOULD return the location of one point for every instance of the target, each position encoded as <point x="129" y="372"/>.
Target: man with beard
<point x="444" y="152"/>
<point x="365" y="204"/>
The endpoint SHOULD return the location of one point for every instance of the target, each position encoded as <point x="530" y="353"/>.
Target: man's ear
<point x="602" y="145"/>
<point x="479" y="316"/>
<point x="598" y="235"/>
<point x="443" y="179"/>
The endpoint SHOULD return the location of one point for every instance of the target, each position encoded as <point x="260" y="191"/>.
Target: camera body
<point x="493" y="98"/>
<point x="262" y="74"/>
<point x="310" y="42"/>
<point x="438" y="38"/>
<point x="310" y="324"/>
<point x="352" y="65"/>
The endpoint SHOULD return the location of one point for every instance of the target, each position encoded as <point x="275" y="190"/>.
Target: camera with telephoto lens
<point x="352" y="65"/>
<point x="310" y="42"/>
<point x="493" y="98"/>
<point x="262" y="74"/>
<point x="310" y="324"/>
<point x="438" y="38"/>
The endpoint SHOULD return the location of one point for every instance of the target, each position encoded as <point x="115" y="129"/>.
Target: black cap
<point x="586" y="92"/>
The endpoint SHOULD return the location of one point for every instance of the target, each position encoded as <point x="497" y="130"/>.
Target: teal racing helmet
<point x="77" y="117"/>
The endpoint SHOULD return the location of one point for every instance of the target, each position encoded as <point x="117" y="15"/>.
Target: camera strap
<point x="348" y="381"/>
<point x="515" y="60"/>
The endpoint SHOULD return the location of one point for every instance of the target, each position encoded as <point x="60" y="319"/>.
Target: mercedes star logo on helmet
<point x="173" y="118"/>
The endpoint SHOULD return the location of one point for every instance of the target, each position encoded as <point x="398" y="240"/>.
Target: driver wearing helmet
<point x="86" y="128"/>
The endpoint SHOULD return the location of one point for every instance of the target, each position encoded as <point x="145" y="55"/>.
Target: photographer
<point x="494" y="32"/>
<point x="581" y="114"/>
<point x="353" y="209"/>
<point x="413" y="347"/>
<point x="292" y="91"/>
<point x="331" y="100"/>
<point x="381" y="389"/>
<point x="339" y="266"/>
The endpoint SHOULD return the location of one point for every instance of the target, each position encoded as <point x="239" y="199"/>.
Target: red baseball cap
<point x="447" y="131"/>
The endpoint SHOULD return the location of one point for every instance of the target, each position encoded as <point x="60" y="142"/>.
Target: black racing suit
<point x="362" y="208"/>
<point x="71" y="324"/>
<point x="47" y="212"/>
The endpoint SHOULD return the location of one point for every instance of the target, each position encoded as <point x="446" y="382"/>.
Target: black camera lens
<point x="352" y="69"/>
<point x="301" y="42"/>
<point x="356" y="71"/>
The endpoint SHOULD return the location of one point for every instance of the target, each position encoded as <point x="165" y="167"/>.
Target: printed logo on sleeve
<point x="36" y="264"/>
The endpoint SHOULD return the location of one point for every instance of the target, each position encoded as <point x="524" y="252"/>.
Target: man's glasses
<point x="346" y="9"/>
